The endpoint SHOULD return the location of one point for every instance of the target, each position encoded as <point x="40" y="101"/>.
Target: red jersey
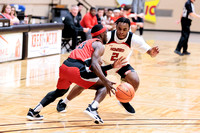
<point x="83" y="51"/>
<point x="88" y="21"/>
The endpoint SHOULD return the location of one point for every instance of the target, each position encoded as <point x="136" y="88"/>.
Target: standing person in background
<point x="186" y="20"/>
<point x="138" y="7"/>
<point x="13" y="15"/>
<point x="116" y="13"/>
<point x="99" y="15"/>
<point x="89" y="20"/>
<point x="127" y="14"/>
<point x="108" y="21"/>
<point x="80" y="7"/>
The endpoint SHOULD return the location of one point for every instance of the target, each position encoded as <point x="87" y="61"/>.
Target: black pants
<point x="185" y="33"/>
<point x="75" y="34"/>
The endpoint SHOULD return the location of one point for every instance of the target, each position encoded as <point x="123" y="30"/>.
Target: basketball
<point x="125" y="92"/>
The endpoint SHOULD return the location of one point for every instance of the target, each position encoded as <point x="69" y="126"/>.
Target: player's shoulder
<point x="97" y="43"/>
<point x="135" y="37"/>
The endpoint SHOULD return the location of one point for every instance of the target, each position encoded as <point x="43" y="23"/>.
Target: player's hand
<point x="119" y="62"/>
<point x="153" y="51"/>
<point x="110" y="88"/>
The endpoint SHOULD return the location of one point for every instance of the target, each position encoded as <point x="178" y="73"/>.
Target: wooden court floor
<point x="168" y="99"/>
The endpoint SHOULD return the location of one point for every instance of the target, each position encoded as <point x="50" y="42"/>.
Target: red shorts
<point x="72" y="74"/>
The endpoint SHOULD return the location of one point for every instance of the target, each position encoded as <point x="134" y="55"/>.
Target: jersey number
<point x="114" y="56"/>
<point x="81" y="45"/>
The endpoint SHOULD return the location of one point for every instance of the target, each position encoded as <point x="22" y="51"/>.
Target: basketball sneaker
<point x="34" y="116"/>
<point x="61" y="106"/>
<point x="128" y="107"/>
<point x="186" y="53"/>
<point x="93" y="114"/>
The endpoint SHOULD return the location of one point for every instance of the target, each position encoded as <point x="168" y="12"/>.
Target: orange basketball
<point x="125" y="92"/>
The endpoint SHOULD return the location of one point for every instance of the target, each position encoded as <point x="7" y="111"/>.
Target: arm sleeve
<point x="139" y="44"/>
<point x="106" y="68"/>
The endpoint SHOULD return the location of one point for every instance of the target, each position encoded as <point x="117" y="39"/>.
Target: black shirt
<point x="71" y="24"/>
<point x="188" y="8"/>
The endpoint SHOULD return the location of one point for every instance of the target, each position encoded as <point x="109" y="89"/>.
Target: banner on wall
<point x="150" y="6"/>
<point x="44" y="43"/>
<point x="10" y="47"/>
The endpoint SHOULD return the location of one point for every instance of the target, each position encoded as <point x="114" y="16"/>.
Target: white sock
<point x="38" y="108"/>
<point x="65" y="100"/>
<point x="95" y="104"/>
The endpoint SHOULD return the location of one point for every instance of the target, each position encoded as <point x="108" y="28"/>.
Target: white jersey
<point x="115" y="48"/>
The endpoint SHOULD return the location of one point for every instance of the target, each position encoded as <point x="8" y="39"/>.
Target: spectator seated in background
<point x="107" y="20"/>
<point x="20" y="11"/>
<point x="10" y="14"/>
<point x="99" y="15"/>
<point x="13" y="15"/>
<point x="89" y="20"/>
<point x="116" y="13"/>
<point x="72" y="28"/>
<point x="6" y="10"/>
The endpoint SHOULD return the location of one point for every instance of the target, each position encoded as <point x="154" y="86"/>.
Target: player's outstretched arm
<point x="117" y="64"/>
<point x="153" y="51"/>
<point x="194" y="15"/>
<point x="96" y="56"/>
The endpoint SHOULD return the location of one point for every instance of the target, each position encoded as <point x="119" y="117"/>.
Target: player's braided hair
<point x="123" y="20"/>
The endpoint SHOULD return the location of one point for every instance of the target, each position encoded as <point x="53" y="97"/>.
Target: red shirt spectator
<point x="90" y="19"/>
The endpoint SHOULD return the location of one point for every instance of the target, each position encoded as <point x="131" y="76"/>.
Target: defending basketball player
<point x="83" y="68"/>
<point x="120" y="42"/>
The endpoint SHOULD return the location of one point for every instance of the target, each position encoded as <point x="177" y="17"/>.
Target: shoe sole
<point x="63" y="111"/>
<point x="97" y="121"/>
<point x="178" y="53"/>
<point x="34" y="119"/>
<point x="125" y="109"/>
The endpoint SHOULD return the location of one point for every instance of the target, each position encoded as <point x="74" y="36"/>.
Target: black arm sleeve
<point x="106" y="68"/>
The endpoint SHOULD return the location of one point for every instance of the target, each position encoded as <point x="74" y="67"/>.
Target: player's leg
<point x="183" y="38"/>
<point x="140" y="23"/>
<point x="129" y="75"/>
<point x="92" y="108"/>
<point x="185" y="45"/>
<point x="75" y="91"/>
<point x="133" y="28"/>
<point x="63" y="85"/>
<point x="33" y="114"/>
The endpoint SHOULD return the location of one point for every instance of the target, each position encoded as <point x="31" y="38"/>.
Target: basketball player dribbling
<point x="120" y="42"/>
<point x="83" y="67"/>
